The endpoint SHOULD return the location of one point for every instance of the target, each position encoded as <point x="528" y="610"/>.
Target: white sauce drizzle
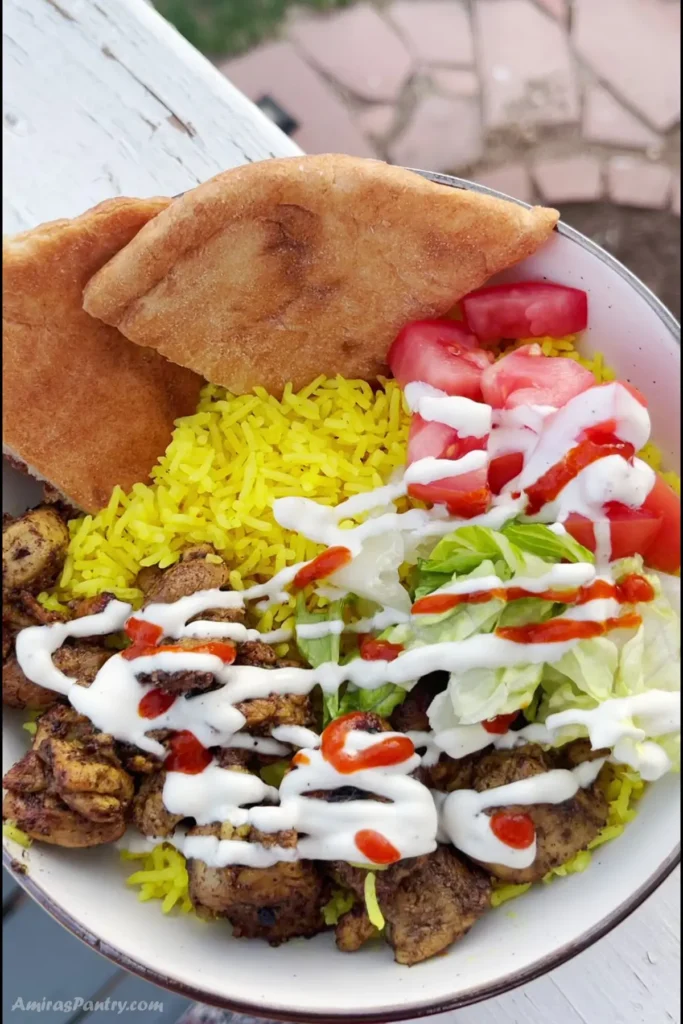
<point x="470" y="419"/>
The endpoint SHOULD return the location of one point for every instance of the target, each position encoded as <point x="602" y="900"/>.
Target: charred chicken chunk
<point x="46" y="818"/>
<point x="192" y="573"/>
<point x="354" y="929"/>
<point x="70" y="789"/>
<point x="149" y="813"/>
<point x="561" y="829"/>
<point x="81" y="663"/>
<point x="434" y="906"/>
<point x="411" y="713"/>
<point x="264" y="713"/>
<point x="34" y="548"/>
<point x="276" y="903"/>
<point x="428" y="902"/>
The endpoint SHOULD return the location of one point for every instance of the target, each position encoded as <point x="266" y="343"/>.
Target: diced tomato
<point x="664" y="553"/>
<point x="441" y="353"/>
<point x="462" y="501"/>
<point x="527" y="377"/>
<point x="633" y="530"/>
<point x="466" y="495"/>
<point x="438" y="440"/>
<point x="428" y="438"/>
<point x="500" y="724"/>
<point x="526" y="309"/>
<point x="503" y="469"/>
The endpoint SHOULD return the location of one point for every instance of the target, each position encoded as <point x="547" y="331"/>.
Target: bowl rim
<point x="428" y="1007"/>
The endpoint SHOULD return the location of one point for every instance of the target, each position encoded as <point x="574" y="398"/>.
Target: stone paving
<point x="559" y="101"/>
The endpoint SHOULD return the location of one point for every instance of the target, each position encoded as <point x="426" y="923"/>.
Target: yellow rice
<point x="216" y="483"/>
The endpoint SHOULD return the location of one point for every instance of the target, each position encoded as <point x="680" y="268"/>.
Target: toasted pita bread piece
<point x="281" y="270"/>
<point x="83" y="408"/>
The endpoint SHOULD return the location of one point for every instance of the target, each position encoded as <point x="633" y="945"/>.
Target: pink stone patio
<point x="546" y="100"/>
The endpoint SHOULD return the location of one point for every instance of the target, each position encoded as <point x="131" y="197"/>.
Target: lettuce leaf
<point x="517" y="549"/>
<point x="540" y="540"/>
<point x="382" y="701"/>
<point x="326" y="648"/>
<point x="484" y="693"/>
<point x="467" y="547"/>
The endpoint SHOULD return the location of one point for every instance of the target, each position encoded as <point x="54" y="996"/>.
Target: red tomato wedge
<point x="633" y="530"/>
<point x="503" y="469"/>
<point x="664" y="553"/>
<point x="457" y="492"/>
<point x="527" y="377"/>
<point x="441" y="353"/>
<point x="428" y="438"/>
<point x="466" y="495"/>
<point x="526" y="309"/>
<point x="438" y="440"/>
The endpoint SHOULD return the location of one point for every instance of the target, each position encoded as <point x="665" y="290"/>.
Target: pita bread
<point x="83" y="408"/>
<point x="281" y="270"/>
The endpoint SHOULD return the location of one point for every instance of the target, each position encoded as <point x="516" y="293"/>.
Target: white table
<point x="104" y="98"/>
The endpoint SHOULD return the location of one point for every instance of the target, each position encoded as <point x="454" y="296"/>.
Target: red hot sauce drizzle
<point x="376" y="847"/>
<point x="558" y="476"/>
<point x="187" y="754"/>
<point x="154" y="703"/>
<point x="515" y="830"/>
<point x="385" y="752"/>
<point x="631" y="590"/>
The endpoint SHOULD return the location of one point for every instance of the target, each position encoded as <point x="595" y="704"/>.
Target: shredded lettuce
<point x="372" y="903"/>
<point x="340" y="903"/>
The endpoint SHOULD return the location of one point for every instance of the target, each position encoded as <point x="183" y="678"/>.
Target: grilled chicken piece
<point x="47" y="819"/>
<point x="561" y="829"/>
<point x="70" y="789"/>
<point x="264" y="713"/>
<point x="428" y="902"/>
<point x="434" y="906"/>
<point x="448" y="773"/>
<point x="149" y="813"/>
<point x="578" y="751"/>
<point x="192" y="573"/>
<point x="20" y="692"/>
<point x="411" y="714"/>
<point x="90" y="605"/>
<point x="354" y="929"/>
<point x="277" y="903"/>
<point x="34" y="548"/>
<point x="29" y="775"/>
<point x="79" y="662"/>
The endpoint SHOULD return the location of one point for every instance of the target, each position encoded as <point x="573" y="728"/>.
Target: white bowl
<point x="311" y="980"/>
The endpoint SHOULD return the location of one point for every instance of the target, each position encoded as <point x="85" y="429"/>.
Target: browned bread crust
<point x="285" y="269"/>
<point x="83" y="408"/>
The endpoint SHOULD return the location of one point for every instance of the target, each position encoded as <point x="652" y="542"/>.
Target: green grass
<point x="229" y="27"/>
